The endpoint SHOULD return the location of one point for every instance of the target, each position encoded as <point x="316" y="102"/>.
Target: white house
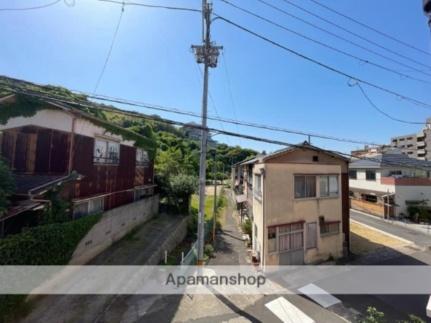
<point x="383" y="184"/>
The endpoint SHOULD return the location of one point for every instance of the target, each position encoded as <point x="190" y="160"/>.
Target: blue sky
<point x="151" y="61"/>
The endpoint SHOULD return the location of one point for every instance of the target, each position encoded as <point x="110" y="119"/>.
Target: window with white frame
<point x="93" y="206"/>
<point x="96" y="205"/>
<point x="142" y="158"/>
<point x="80" y="209"/>
<point x="106" y="152"/>
<point x="329" y="186"/>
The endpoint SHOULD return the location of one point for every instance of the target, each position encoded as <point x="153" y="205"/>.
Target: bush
<point x="7" y="186"/>
<point x="209" y="250"/>
<point x="247" y="227"/>
<point x="192" y="225"/>
<point x="419" y="213"/>
<point x="58" y="210"/>
<point x="49" y="244"/>
<point x="374" y="316"/>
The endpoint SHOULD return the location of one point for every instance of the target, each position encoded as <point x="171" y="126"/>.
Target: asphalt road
<point x="395" y="307"/>
<point x="418" y="238"/>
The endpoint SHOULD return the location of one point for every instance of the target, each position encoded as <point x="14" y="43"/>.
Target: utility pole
<point x="206" y="54"/>
<point x="215" y="195"/>
<point x="427" y="10"/>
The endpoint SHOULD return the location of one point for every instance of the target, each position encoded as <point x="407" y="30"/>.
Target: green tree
<point x="181" y="188"/>
<point x="58" y="209"/>
<point x="7" y="186"/>
<point x="374" y="316"/>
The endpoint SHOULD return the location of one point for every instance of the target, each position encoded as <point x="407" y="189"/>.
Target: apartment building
<point x="300" y="206"/>
<point x="415" y="145"/>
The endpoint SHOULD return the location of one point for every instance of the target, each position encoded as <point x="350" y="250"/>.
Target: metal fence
<point x="192" y="256"/>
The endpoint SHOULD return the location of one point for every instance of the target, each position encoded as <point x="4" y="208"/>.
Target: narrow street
<point x="232" y="251"/>
<point x="230" y="247"/>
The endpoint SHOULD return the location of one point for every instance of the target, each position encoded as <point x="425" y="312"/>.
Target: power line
<point x="214" y="118"/>
<point x="32" y="8"/>
<point x="365" y="61"/>
<point x="357" y="35"/>
<point x="371" y="28"/>
<point x="225" y="120"/>
<point x="383" y="112"/>
<point x="229" y="86"/>
<point x="328" y="67"/>
<point x="215" y="130"/>
<point x="344" y="39"/>
<point x="152" y="6"/>
<point x="108" y="56"/>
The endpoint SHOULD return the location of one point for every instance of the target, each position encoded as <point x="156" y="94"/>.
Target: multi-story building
<point x="300" y="206"/>
<point x="385" y="184"/>
<point x="415" y="145"/>
<point x="45" y="143"/>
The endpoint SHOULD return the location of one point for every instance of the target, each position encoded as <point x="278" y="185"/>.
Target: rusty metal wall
<point x="36" y="150"/>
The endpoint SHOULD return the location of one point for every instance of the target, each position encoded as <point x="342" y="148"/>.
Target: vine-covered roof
<point x="28" y="105"/>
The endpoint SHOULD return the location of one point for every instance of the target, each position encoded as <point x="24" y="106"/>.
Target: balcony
<point x="421" y="144"/>
<point x="421" y="152"/>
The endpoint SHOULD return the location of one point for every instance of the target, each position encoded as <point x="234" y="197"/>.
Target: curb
<point x="383" y="232"/>
<point x="393" y="222"/>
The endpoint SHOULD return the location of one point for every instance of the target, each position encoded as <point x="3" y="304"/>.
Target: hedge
<point x="50" y="244"/>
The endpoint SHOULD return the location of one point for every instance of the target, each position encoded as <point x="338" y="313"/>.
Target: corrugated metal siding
<point x="7" y="148"/>
<point x="102" y="179"/>
<point x="46" y="151"/>
<point x="43" y="151"/>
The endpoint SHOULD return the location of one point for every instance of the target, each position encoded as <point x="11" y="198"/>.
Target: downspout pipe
<point x="72" y="146"/>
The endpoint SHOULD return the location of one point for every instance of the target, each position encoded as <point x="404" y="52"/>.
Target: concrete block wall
<point x="113" y="226"/>
<point x="175" y="237"/>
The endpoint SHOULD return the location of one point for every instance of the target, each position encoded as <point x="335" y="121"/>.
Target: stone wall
<point x="113" y="226"/>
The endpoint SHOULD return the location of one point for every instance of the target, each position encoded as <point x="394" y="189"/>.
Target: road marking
<point x="383" y="232"/>
<point x="319" y="295"/>
<point x="287" y="312"/>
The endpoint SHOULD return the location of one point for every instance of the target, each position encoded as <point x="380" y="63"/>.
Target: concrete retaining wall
<point x="175" y="237"/>
<point x="114" y="225"/>
<point x="368" y="207"/>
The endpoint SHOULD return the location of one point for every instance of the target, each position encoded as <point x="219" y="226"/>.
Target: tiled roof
<point x="388" y="160"/>
<point x="304" y="145"/>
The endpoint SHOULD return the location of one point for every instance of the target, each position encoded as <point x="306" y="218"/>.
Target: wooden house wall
<point x="35" y="150"/>
<point x="101" y="179"/>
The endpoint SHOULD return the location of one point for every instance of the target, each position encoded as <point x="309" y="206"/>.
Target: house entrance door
<point x="291" y="244"/>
